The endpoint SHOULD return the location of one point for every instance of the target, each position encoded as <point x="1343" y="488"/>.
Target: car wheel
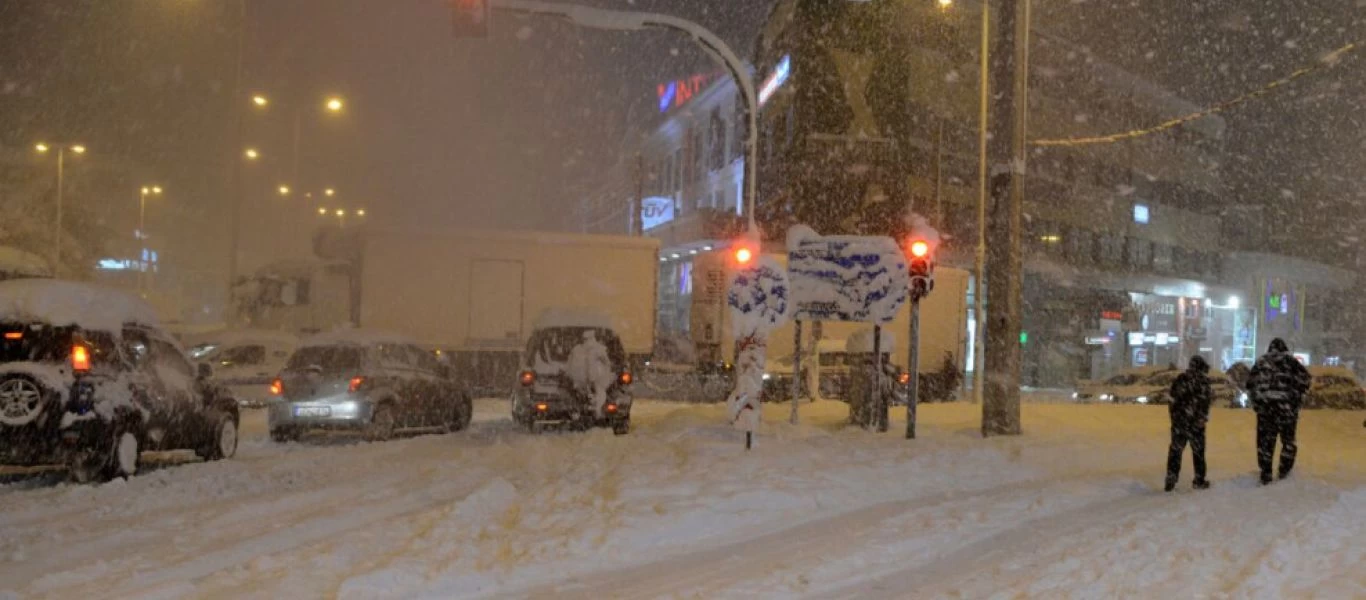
<point x="120" y="458"/>
<point x="381" y="427"/>
<point x="21" y="400"/>
<point x="622" y="427"/>
<point x="464" y="412"/>
<point x="223" y="441"/>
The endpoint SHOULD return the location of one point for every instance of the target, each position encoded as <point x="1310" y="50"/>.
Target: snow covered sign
<point x="758" y="304"/>
<point x="845" y="278"/>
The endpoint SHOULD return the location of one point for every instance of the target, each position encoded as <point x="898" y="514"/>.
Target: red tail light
<point x="80" y="358"/>
<point x="277" y="387"/>
<point x="625" y="379"/>
<point x="611" y="408"/>
<point x="355" y="384"/>
<point x="527" y="378"/>
<point x="904" y="378"/>
<point x="14" y="335"/>
<point x="542" y="406"/>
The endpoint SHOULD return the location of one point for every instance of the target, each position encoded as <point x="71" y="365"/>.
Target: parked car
<point x="552" y="385"/>
<point x="87" y="379"/>
<point x="245" y="361"/>
<point x="1153" y="386"/>
<point x="1334" y="387"/>
<point x="374" y="383"/>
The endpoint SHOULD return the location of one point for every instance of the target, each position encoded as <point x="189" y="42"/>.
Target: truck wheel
<point x="381" y="427"/>
<point x="222" y="440"/>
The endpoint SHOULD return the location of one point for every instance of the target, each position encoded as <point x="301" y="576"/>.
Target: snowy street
<point x="678" y="509"/>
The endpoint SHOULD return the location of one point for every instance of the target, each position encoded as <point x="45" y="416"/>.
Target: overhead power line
<point x="1324" y="63"/>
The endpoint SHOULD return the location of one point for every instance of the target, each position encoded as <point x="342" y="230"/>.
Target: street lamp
<point x="251" y="154"/>
<point x="146" y="190"/>
<point x="43" y="148"/>
<point x="259" y="100"/>
<point x="334" y="104"/>
<point x="284" y="190"/>
<point x="329" y="192"/>
<point x="360" y="212"/>
<point x="322" y="211"/>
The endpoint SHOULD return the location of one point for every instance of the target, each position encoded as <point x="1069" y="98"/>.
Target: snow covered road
<point x="677" y="509"/>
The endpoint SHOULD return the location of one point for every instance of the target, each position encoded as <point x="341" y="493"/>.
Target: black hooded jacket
<point x="1191" y="395"/>
<point x="1278" y="379"/>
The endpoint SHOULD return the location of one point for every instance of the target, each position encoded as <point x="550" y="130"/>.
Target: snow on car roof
<point x="60" y="303"/>
<point x="357" y="337"/>
<point x="563" y="316"/>
<point x="237" y="337"/>
<point x="1332" y="372"/>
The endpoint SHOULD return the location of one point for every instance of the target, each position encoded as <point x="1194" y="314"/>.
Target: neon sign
<point x="674" y="94"/>
<point x="776" y="79"/>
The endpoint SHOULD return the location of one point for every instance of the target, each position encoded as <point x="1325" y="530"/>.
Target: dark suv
<point x="78" y="388"/>
<point x="549" y="392"/>
<point x="372" y="383"/>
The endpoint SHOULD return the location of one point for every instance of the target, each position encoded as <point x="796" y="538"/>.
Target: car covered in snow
<point x="1334" y="387"/>
<point x="245" y="361"/>
<point x="375" y="383"/>
<point x="87" y="379"/>
<point x="575" y="372"/>
<point x="1152" y="385"/>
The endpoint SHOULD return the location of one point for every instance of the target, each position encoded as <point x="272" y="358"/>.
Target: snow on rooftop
<point x="563" y="316"/>
<point x="357" y="337"/>
<point x="60" y="303"/>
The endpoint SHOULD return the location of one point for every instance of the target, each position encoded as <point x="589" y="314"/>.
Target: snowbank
<point x="62" y="303"/>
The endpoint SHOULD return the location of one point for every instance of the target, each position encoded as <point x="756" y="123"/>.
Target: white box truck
<point x="471" y="294"/>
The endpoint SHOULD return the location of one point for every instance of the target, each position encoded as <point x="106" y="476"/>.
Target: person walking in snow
<point x="1189" y="411"/>
<point x="1277" y="385"/>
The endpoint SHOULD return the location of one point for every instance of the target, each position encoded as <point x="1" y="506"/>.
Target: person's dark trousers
<point x="1271" y="425"/>
<point x="1195" y="436"/>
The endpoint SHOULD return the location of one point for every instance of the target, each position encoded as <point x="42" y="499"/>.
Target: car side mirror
<point x="205" y="370"/>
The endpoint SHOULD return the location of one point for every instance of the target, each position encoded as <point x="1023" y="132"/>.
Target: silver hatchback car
<point x="379" y="386"/>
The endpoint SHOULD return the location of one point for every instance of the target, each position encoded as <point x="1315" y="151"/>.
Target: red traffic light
<point x="744" y="255"/>
<point x="920" y="249"/>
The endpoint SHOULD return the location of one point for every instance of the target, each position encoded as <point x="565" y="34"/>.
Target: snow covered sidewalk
<point x="678" y="509"/>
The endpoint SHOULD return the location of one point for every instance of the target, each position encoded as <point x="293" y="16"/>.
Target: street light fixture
<point x="147" y="190"/>
<point x="335" y="104"/>
<point x="329" y="192"/>
<point x="322" y="211"/>
<point x="945" y="3"/>
<point x="360" y="212"/>
<point x="341" y="212"/>
<point x="42" y="148"/>
<point x="284" y="190"/>
<point x="260" y="100"/>
<point x="252" y="154"/>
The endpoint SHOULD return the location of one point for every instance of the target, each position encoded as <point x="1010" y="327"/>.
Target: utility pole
<point x="1010" y="70"/>
<point x="237" y="191"/>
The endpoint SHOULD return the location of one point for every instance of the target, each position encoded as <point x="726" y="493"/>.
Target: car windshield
<point x="553" y="345"/>
<point x="331" y="359"/>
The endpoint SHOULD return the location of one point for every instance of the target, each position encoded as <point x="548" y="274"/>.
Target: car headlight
<point x="1106" y="397"/>
<point x="767" y="377"/>
<point x="1141" y="399"/>
<point x="1075" y="395"/>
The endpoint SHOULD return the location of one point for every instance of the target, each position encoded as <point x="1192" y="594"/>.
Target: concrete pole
<point x="57" y="230"/>
<point x="980" y="258"/>
<point x="1001" y="407"/>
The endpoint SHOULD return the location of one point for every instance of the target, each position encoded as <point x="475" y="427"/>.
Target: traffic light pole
<point x="797" y="377"/>
<point x="617" y="20"/>
<point x="913" y="363"/>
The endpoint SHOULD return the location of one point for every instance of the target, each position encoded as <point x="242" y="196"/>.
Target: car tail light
<point x="277" y="387"/>
<point x="904" y="378"/>
<point x="625" y="378"/>
<point x="355" y="383"/>
<point x="14" y="335"/>
<point x="611" y="408"/>
<point x="527" y="378"/>
<point x="80" y="358"/>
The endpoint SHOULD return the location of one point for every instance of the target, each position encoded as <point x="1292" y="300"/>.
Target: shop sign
<point x="656" y="211"/>
<point x="1097" y="340"/>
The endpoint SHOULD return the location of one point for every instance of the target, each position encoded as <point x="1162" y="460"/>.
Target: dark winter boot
<point x="1266" y="479"/>
<point x="1171" y="485"/>
<point x="1200" y="484"/>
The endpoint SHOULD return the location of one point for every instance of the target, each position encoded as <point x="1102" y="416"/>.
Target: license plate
<point x="313" y="411"/>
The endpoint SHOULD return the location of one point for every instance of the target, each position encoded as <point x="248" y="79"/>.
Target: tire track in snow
<point x="1030" y="549"/>
<point x="714" y="566"/>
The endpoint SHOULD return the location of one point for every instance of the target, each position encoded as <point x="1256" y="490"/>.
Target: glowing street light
<point x="945" y="3"/>
<point x="322" y="211"/>
<point x="341" y="212"/>
<point x="251" y="154"/>
<point x="329" y="192"/>
<point x="335" y="104"/>
<point x="284" y="190"/>
<point x="78" y="149"/>
<point x="360" y="212"/>
<point x="43" y="148"/>
<point x="260" y="100"/>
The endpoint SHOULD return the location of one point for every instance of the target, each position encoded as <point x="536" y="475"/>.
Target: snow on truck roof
<point x="61" y="303"/>
<point x="573" y="317"/>
<point x="524" y="237"/>
<point x="357" y="337"/>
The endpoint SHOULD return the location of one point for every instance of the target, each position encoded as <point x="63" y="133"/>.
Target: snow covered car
<point x="574" y="371"/>
<point x="245" y="361"/>
<point x="1334" y="387"/>
<point x="1153" y="386"/>
<point x="88" y="380"/>
<point x="375" y="383"/>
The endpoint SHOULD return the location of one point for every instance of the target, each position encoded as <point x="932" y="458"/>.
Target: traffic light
<point x="922" y="269"/>
<point x="743" y="255"/>
<point x="470" y="18"/>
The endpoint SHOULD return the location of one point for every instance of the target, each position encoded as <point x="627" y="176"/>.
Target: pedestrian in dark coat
<point x="1189" y="411"/>
<point x="1277" y="386"/>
